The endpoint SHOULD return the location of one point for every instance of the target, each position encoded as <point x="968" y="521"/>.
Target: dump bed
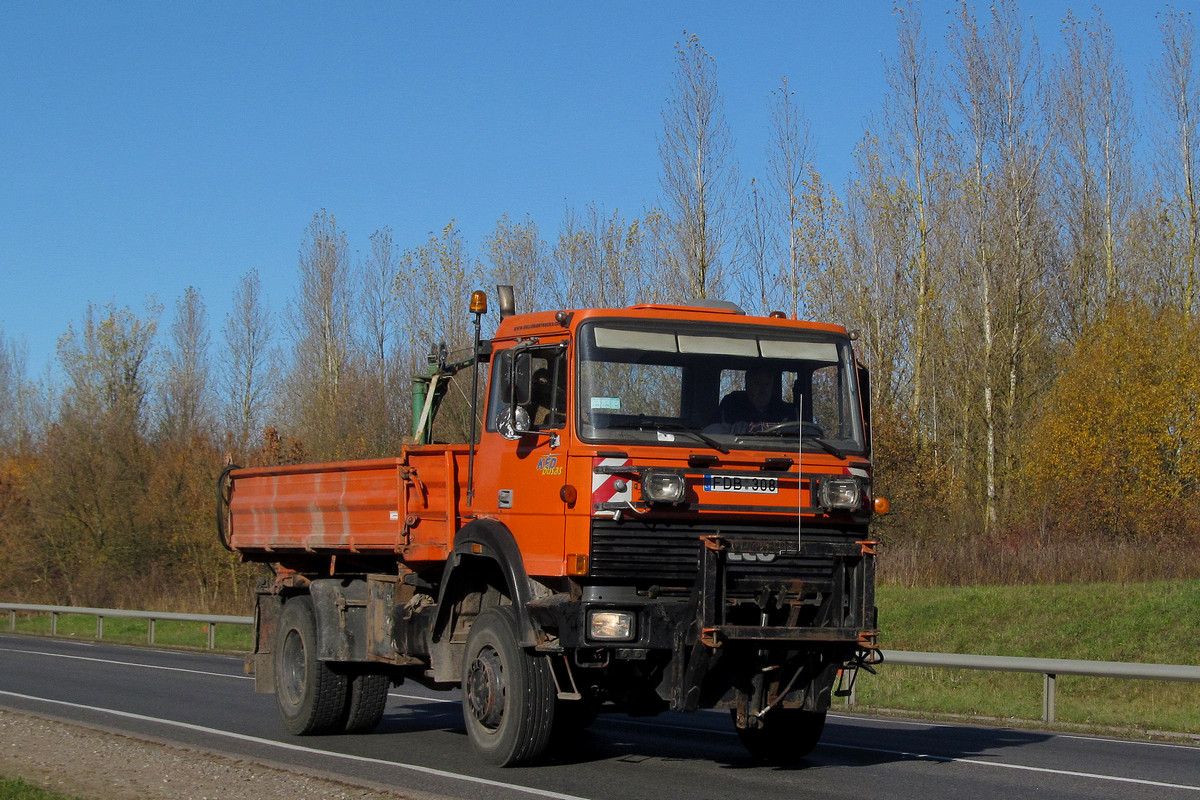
<point x="408" y="506"/>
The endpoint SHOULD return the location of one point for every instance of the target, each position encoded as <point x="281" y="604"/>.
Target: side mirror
<point x="516" y="376"/>
<point x="513" y="423"/>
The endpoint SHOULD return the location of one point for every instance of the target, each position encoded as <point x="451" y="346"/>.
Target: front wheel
<point x="783" y="735"/>
<point x="508" y="692"/>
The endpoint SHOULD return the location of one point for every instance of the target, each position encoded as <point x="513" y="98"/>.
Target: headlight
<point x="615" y="626"/>
<point x="841" y="493"/>
<point x="662" y="487"/>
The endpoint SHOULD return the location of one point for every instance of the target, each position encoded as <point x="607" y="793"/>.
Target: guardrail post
<point x="12" y="620"/>
<point x="1048" y="681"/>
<point x="54" y="623"/>
<point x="150" y="633"/>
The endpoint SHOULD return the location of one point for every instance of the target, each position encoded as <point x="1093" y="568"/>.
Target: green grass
<point x="17" y="789"/>
<point x="1148" y="623"/>
<point x="136" y="631"/>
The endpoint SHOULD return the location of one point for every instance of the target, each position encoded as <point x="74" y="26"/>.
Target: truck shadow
<point x="414" y="717"/>
<point x="710" y="737"/>
<point x="853" y="743"/>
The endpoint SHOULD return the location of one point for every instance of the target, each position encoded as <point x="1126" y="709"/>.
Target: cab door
<point x="520" y="466"/>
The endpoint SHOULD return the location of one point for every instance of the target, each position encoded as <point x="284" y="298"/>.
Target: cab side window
<point x="535" y="380"/>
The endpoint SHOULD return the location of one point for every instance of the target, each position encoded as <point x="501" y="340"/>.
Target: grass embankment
<point x="1146" y="623"/>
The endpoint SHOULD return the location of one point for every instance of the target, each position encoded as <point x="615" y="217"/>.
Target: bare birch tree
<point x="518" y="258"/>
<point x="1177" y="87"/>
<point x="1094" y="125"/>
<point x="185" y="403"/>
<point x="1004" y="143"/>
<point x="699" y="180"/>
<point x="774" y="253"/>
<point x="434" y="285"/>
<point x="249" y="368"/>
<point x="321" y="323"/>
<point x="20" y="398"/>
<point x="915" y="126"/>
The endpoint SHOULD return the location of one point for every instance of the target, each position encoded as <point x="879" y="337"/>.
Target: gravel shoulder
<point x="105" y="765"/>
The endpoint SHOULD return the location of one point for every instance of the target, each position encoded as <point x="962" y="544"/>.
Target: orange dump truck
<point x="667" y="508"/>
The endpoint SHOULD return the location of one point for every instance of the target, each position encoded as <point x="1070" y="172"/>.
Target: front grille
<point x="666" y="553"/>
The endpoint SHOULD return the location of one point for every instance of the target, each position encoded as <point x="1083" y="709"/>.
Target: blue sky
<point x="150" y="146"/>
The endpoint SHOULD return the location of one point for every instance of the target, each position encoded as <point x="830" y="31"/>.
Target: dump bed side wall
<point x="403" y="505"/>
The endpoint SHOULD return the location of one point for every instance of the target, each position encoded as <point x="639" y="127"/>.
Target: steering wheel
<point x="806" y="428"/>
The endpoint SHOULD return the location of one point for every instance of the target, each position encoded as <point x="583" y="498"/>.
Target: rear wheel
<point x="784" y="735"/>
<point x="508" y="692"/>
<point x="311" y="697"/>
<point x="365" y="703"/>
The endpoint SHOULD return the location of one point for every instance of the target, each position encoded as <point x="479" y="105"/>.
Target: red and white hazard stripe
<point x="604" y="485"/>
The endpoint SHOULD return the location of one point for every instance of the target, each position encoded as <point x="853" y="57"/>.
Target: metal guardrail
<point x="1048" y="668"/>
<point x="211" y="620"/>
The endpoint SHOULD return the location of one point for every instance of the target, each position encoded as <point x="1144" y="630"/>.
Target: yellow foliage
<point x="1116" y="449"/>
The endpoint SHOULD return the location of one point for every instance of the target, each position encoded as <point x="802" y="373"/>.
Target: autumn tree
<point x="1116" y="452"/>
<point x="699" y="180"/>
<point x="94" y="467"/>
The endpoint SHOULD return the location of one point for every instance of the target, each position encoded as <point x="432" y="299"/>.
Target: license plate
<point x="748" y="484"/>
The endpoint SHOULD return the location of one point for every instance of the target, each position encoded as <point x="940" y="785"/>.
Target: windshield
<point x="730" y="387"/>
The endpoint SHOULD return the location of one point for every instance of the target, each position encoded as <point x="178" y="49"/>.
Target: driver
<point x="757" y="407"/>
<point x="542" y="412"/>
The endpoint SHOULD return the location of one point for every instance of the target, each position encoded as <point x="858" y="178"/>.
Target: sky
<point x="146" y="147"/>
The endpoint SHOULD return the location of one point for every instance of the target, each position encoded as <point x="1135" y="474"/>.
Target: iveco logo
<point x="750" y="557"/>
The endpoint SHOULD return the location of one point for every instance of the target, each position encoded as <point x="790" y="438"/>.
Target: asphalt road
<point x="206" y="701"/>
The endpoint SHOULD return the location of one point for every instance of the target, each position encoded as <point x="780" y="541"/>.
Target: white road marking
<point x="126" y="663"/>
<point x="241" y="737"/>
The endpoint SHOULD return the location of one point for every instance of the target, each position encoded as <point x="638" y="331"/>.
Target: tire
<point x="784" y="736"/>
<point x="312" y="698"/>
<point x="508" y="693"/>
<point x="365" y="702"/>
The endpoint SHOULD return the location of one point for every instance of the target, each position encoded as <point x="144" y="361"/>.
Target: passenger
<point x="757" y="407"/>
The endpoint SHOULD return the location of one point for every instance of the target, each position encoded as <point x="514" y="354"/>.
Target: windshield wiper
<point x="826" y="446"/>
<point x="704" y="437"/>
<point x="644" y="423"/>
<point x="809" y="432"/>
